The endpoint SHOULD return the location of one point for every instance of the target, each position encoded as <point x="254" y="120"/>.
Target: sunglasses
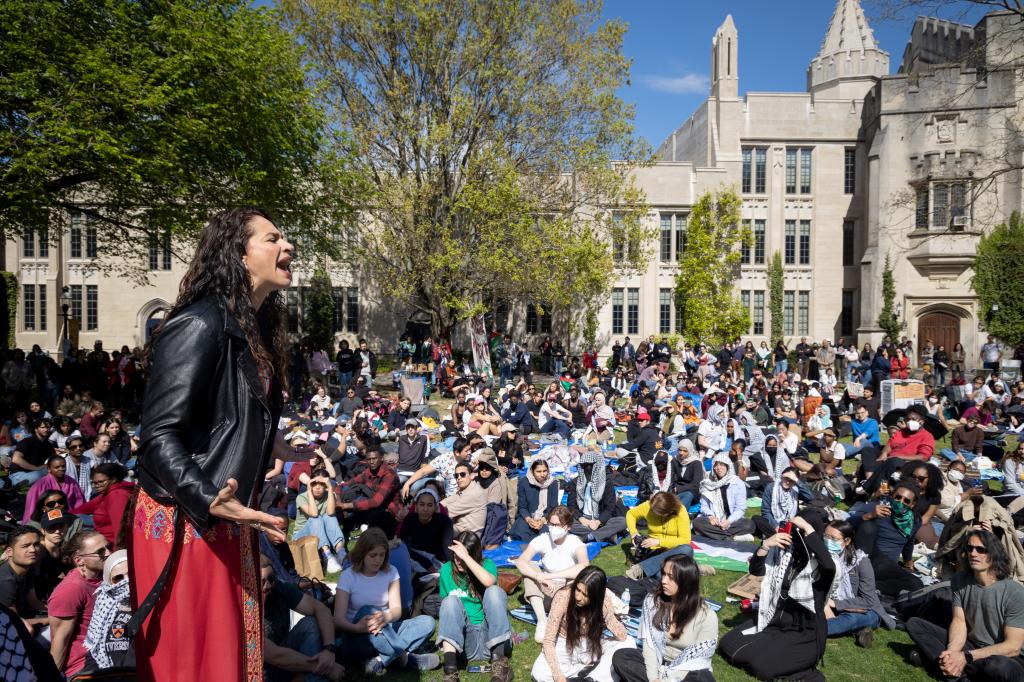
<point x="978" y="549"/>
<point x="461" y="474"/>
<point x="102" y="553"/>
<point x="53" y="504"/>
<point x="74" y="447"/>
<point x="903" y="499"/>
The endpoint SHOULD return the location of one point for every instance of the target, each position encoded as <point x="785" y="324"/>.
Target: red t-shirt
<point x="918" y="444"/>
<point x="74" y="599"/>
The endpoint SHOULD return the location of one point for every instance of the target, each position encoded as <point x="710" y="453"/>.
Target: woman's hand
<point x="781" y="540"/>
<point x="802" y="523"/>
<point x="459" y="550"/>
<point x="226" y="506"/>
<point x="650" y="543"/>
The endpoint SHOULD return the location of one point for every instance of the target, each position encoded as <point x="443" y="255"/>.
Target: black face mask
<point x="771" y="450"/>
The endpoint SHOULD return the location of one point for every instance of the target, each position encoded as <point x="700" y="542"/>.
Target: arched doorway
<point x="941" y="327"/>
<point x="149" y="318"/>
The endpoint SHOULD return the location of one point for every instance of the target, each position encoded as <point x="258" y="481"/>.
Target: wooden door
<point x="942" y="328"/>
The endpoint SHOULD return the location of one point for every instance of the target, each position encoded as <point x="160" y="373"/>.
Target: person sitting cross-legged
<point x="668" y="533"/>
<point x="723" y="503"/>
<point x="854" y="606"/>
<point x="985" y="641"/>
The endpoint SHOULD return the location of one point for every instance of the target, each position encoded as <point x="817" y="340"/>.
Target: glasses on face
<point x="53" y="504"/>
<point x="102" y="552"/>
<point x="74" y="447"/>
<point x="905" y="500"/>
<point x="461" y="474"/>
<point x="922" y="479"/>
<point x="976" y="549"/>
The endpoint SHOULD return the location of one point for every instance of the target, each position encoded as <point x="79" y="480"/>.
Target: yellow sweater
<point x="672" y="532"/>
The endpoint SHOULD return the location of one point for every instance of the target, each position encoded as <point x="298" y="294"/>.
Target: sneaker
<point x="374" y="667"/>
<point x="746" y="537"/>
<point x="423" y="662"/>
<point x="860" y="490"/>
<point x="914" y="658"/>
<point x="636" y="572"/>
<point x="865" y="638"/>
<point x="333" y="566"/>
<point x="538" y="636"/>
<point x="501" y="670"/>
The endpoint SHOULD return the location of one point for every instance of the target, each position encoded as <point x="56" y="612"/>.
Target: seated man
<point x="17" y="591"/>
<point x="985" y="641"/>
<point x="518" y="414"/>
<point x="555" y="418"/>
<point x="467" y="508"/>
<point x="910" y="442"/>
<point x="413" y="446"/>
<point x="306" y="648"/>
<point x="28" y="461"/>
<point x="885" y="532"/>
<point x="374" y="487"/>
<point x="968" y="440"/>
<point x="865" y="432"/>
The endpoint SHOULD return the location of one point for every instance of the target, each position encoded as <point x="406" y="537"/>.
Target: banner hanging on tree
<point x="481" y="350"/>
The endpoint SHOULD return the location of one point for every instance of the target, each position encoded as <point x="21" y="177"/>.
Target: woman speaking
<point x="209" y="421"/>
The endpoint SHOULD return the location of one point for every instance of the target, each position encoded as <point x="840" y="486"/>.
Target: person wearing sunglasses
<point x="467" y="508"/>
<point x="105" y="641"/>
<point x="71" y="604"/>
<point x="886" y="527"/>
<point x="985" y="640"/>
<point x="56" y="478"/>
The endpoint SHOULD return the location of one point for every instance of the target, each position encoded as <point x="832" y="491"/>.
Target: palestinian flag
<point x="724" y="555"/>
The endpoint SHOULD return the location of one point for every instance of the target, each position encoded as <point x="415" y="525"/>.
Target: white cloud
<point x="688" y="83"/>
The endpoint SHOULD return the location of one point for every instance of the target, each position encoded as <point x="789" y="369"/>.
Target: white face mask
<point x="955" y="475"/>
<point x="913" y="425"/>
<point x="557" y="533"/>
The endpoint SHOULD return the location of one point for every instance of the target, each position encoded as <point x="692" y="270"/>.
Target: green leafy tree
<point x="149" y="116"/>
<point x="999" y="280"/>
<point x="497" y="153"/>
<point x="318" y="309"/>
<point x="775" y="295"/>
<point x="710" y="265"/>
<point x="887" y="319"/>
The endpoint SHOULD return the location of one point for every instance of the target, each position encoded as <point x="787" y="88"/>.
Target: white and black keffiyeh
<point x="784" y="502"/>
<point x="112" y="604"/>
<point x="597" y="477"/>
<point x="697" y="656"/>
<point x="801" y="586"/>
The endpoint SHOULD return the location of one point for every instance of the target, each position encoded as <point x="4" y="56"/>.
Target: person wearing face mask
<point x="953" y="491"/>
<point x="853" y="606"/>
<point x="911" y="442"/>
<point x="967" y="441"/>
<point x="598" y="514"/>
<point x="548" y="561"/>
<point x="885" y="531"/>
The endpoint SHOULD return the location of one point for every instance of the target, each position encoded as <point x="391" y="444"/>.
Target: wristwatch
<point x="332" y="647"/>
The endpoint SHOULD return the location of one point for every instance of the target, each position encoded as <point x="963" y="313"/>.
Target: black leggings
<point x="629" y="666"/>
<point x="931" y="641"/>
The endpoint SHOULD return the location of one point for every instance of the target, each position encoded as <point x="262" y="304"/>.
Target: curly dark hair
<point x="217" y="270"/>
<point x="997" y="555"/>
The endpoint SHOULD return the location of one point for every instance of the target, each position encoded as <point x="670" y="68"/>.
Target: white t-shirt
<point x="714" y="434"/>
<point x="790" y="442"/>
<point x="553" y="558"/>
<point x="366" y="591"/>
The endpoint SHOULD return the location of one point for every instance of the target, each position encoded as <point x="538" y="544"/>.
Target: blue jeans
<point x="951" y="456"/>
<point x="344" y="379"/>
<point x="323" y="528"/>
<point x="391" y="642"/>
<point x="557" y="426"/>
<point x="505" y="372"/>
<point x="29" y="477"/>
<point x="652" y="565"/>
<point x="848" y="621"/>
<point x="559" y="366"/>
<point x="304" y="638"/>
<point x="686" y="498"/>
<point x="781" y="366"/>
<point x="475" y="641"/>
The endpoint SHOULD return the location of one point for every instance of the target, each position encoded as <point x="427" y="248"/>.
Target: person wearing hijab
<point x="769" y="463"/>
<point x="105" y="641"/>
<point x="691" y="472"/>
<point x="787" y="639"/>
<point x="723" y="503"/>
<point x="537" y="494"/>
<point x="779" y="503"/>
<point x="596" y="511"/>
<point x="662" y="474"/>
<point x="711" y="432"/>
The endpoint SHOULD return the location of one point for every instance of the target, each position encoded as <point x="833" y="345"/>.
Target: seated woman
<point x="473" y="623"/>
<point x="537" y="494"/>
<point x="509" y="448"/>
<point x="679" y="631"/>
<point x="428" y="531"/>
<point x="559" y="557"/>
<point x="1012" y="467"/>
<point x="481" y="419"/>
<point x="597" y="512"/>
<point x="574" y="644"/>
<point x="368" y="611"/>
<point x="668" y="532"/>
<point x="854" y="605"/>
<point x="691" y="468"/>
<point x="929" y="498"/>
<point x="767" y="466"/>
<point x="501" y="497"/>
<point x="788" y="637"/>
<point x="723" y="503"/>
<point x="662" y="474"/>
<point x="111" y="495"/>
<point x="55" y="479"/>
<point x="780" y="502"/>
<point x="315" y="510"/>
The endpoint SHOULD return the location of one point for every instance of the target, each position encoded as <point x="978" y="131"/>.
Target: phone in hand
<point x="786" y="528"/>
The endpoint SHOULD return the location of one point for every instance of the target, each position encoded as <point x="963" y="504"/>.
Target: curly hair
<point x="997" y="556"/>
<point x="217" y="270"/>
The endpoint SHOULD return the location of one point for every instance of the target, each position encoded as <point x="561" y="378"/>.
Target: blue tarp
<point x="506" y="554"/>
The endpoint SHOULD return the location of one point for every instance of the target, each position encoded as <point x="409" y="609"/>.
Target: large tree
<point x="714" y="233"/>
<point x="999" y="280"/>
<point x="498" y="154"/>
<point x="148" y="116"/>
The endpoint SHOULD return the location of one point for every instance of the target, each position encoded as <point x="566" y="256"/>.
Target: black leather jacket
<point x="206" y="417"/>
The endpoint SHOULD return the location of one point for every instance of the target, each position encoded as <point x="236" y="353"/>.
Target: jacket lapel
<point x="246" y="363"/>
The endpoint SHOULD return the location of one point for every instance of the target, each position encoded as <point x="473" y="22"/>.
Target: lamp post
<point x="65" y="304"/>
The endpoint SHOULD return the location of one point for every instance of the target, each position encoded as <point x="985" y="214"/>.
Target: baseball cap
<point x="643" y="414"/>
<point x="55" y="517"/>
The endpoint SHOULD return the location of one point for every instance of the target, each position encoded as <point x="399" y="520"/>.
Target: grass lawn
<point x="843" y="661"/>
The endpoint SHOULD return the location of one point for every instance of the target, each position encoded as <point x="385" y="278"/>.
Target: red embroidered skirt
<point x="207" y="625"/>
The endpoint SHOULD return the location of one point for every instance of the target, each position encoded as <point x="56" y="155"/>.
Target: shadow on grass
<point x="901" y="649"/>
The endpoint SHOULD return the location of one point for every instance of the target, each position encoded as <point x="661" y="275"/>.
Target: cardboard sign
<point x="747" y="587"/>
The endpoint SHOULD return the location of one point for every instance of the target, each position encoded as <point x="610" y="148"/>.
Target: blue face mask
<point x="834" y="546"/>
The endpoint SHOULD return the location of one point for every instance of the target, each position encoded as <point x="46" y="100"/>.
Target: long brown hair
<point x="674" y="613"/>
<point x="217" y="270"/>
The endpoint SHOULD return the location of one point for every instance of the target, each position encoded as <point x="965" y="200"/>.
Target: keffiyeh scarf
<point x="597" y="477"/>
<point x="801" y="586"/>
<point x="111" y="600"/>
<point x="843" y="589"/>
<point x="784" y="502"/>
<point x="697" y="656"/>
<point x="716" y="490"/>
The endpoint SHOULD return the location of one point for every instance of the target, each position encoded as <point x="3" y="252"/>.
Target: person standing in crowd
<point x="574" y="643"/>
<point x="678" y="629"/>
<point x="985" y="640"/>
<point x="991" y="354"/>
<point x="218" y="366"/>
<point x="365" y="363"/>
<point x="346" y="360"/>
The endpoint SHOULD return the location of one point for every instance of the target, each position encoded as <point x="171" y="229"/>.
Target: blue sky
<point x="670" y="44"/>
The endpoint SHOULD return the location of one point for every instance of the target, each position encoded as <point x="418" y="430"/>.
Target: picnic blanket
<point x="505" y="554"/>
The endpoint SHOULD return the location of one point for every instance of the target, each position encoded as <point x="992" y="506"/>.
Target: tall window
<point x="759" y="312"/>
<point x="790" y="170"/>
<point x="538" y="323"/>
<point x="805" y="242"/>
<point x="617" y="311"/>
<point x="846" y="317"/>
<point x="76" y="302"/>
<point x="790" y="242"/>
<point x="680" y="235"/>
<point x="666" y="237"/>
<point x="745" y="299"/>
<point x="788" y="305"/>
<point x="805" y="171"/>
<point x="633" y="311"/>
<point x="848" y="236"/>
<point x="28" y="307"/>
<point x="28" y="244"/>
<point x="44" y="243"/>
<point x="42" y="307"/>
<point x="90" y="240"/>
<point x="92" y="307"/>
<point x="940" y="200"/>
<point x="957" y="205"/>
<point x="921" y="208"/>
<point x="160" y="251"/>
<point x="679" y="317"/>
<point x="804" y="312"/>
<point x="352" y="309"/>
<point x="338" y="296"/>
<point x="759" y="242"/>
<point x="747" y="169"/>
<point x="664" y="311"/>
<point x="850" y="171"/>
<point x="618" y="238"/>
<point x="745" y="244"/>
<point x="760" y="170"/>
<point x="75" y="237"/>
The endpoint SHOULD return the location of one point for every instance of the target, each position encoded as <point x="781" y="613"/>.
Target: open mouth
<point x="284" y="266"/>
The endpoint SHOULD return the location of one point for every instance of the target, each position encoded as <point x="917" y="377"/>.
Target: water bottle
<point x="625" y="597"/>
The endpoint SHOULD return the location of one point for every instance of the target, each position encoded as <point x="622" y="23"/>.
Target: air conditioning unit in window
<point x="960" y="223"/>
